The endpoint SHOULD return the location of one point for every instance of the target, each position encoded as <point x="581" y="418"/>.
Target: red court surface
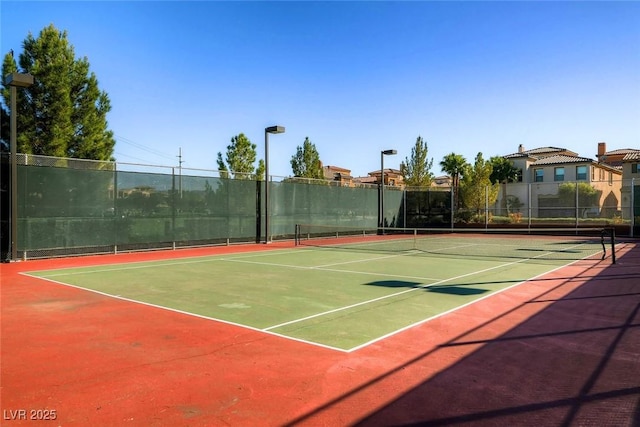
<point x="561" y="350"/>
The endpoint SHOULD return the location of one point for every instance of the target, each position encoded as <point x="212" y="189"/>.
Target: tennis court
<point x="345" y="291"/>
<point x="345" y="328"/>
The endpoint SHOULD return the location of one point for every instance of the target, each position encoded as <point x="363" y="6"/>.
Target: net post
<point x="296" y="235"/>
<point x="613" y="245"/>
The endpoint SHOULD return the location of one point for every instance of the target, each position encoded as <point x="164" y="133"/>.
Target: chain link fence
<point x="71" y="206"/>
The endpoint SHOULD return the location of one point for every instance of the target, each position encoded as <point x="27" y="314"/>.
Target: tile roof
<point x="544" y="150"/>
<point x="337" y="168"/>
<point x="561" y="159"/>
<point x="538" y="152"/>
<point x="366" y="179"/>
<point x="621" y="151"/>
<point x="635" y="155"/>
<point x="514" y="155"/>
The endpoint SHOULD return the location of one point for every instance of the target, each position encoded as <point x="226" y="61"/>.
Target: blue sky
<point x="355" y="77"/>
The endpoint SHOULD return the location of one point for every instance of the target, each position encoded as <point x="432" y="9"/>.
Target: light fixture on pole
<point x="382" y="154"/>
<point x="267" y="131"/>
<point x="15" y="80"/>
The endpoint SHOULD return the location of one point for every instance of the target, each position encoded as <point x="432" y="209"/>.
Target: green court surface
<point x="341" y="298"/>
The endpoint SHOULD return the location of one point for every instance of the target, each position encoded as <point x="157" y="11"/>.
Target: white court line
<point x="335" y="270"/>
<point x="390" y="334"/>
<point x="268" y="329"/>
<point x="355" y="261"/>
<point x="175" y="310"/>
<point x="151" y="264"/>
<point x="402" y="292"/>
<point x="389" y="296"/>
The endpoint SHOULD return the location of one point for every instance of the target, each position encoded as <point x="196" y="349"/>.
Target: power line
<point x="143" y="147"/>
<point x="117" y="154"/>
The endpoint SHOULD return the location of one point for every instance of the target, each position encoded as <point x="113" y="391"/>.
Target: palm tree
<point x="503" y="172"/>
<point x="454" y="165"/>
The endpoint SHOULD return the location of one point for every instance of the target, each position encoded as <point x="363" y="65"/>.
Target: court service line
<point x="390" y="334"/>
<point x="355" y="261"/>
<point x="335" y="310"/>
<point x="370" y="273"/>
<point x="334" y="270"/>
<point x="188" y="313"/>
<point x="405" y="291"/>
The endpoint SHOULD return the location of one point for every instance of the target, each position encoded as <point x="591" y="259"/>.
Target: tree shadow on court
<point x="395" y="284"/>
<point x="457" y="289"/>
<point x="609" y="277"/>
<point x="574" y="362"/>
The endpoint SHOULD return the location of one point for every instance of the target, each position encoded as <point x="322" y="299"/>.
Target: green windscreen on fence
<point x="294" y="202"/>
<point x="67" y="207"/>
<point x="188" y="210"/>
<point x="60" y="207"/>
<point x="71" y="206"/>
<point x="65" y="210"/>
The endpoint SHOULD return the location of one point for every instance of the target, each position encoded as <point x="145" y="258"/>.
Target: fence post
<point x="529" y="205"/>
<point x="174" y="205"/>
<point x="577" y="208"/>
<point x="258" y="210"/>
<point x="633" y="207"/>
<point x="452" y="206"/>
<point x="115" y="207"/>
<point x="486" y="207"/>
<point x="404" y="208"/>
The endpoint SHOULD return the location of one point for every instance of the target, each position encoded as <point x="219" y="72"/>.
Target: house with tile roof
<point x="631" y="183"/>
<point x="616" y="157"/>
<point x="336" y="173"/>
<point x="631" y="166"/>
<point x="626" y="160"/>
<point x="392" y="177"/>
<point x="546" y="168"/>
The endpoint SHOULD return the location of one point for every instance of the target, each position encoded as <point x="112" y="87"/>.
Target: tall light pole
<point x="382" y="154"/>
<point x="15" y="80"/>
<point x="267" y="131"/>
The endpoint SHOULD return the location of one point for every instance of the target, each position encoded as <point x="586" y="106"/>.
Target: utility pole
<point x="180" y="162"/>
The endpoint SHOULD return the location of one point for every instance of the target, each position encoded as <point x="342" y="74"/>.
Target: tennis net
<point x="532" y="243"/>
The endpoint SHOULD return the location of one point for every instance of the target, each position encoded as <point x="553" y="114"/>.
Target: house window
<point x="558" y="174"/>
<point x="635" y="167"/>
<point x="581" y="173"/>
<point x="519" y="175"/>
<point x="538" y="175"/>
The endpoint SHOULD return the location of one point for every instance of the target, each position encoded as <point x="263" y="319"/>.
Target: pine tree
<point x="417" y="170"/>
<point x="240" y="159"/>
<point x="64" y="113"/>
<point x="306" y="162"/>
